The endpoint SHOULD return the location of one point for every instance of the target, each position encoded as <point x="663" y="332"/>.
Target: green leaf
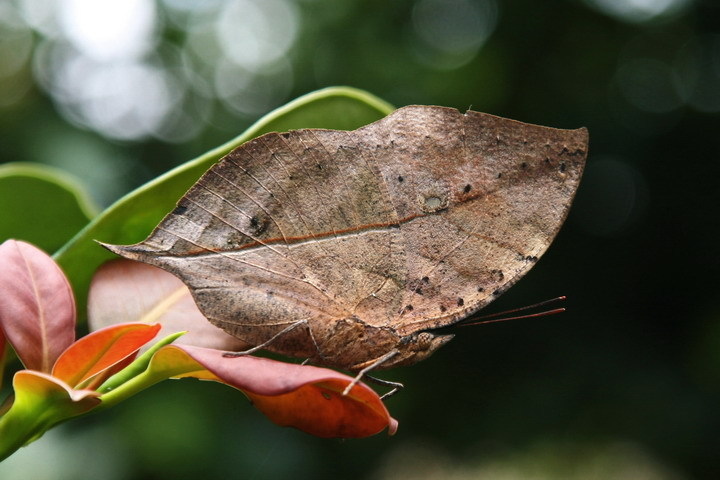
<point x="134" y="216"/>
<point x="41" y="205"/>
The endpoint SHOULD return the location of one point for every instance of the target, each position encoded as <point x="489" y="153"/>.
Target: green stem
<point x="21" y="426"/>
<point x="135" y="385"/>
<point x="134" y="378"/>
<point x="138" y="366"/>
<point x="14" y="433"/>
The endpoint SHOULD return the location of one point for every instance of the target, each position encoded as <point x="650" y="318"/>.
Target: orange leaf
<point x="301" y="396"/>
<point x="101" y="350"/>
<point x="321" y="410"/>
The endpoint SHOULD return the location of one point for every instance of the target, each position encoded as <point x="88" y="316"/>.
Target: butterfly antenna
<point x="491" y="318"/>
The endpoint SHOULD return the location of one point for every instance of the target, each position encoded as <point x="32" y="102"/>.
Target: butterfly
<point x="352" y="248"/>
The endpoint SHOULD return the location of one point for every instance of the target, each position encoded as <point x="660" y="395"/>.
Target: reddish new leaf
<point x="3" y="347"/>
<point x="37" y="308"/>
<point x="102" y="350"/>
<point x="305" y="397"/>
<point x="127" y="291"/>
<point x="321" y="409"/>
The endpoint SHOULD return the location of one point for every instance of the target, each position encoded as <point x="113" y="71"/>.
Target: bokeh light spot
<point x="698" y="67"/>
<point x="41" y="16"/>
<point x="451" y="32"/>
<point x="648" y="84"/>
<point x="257" y="33"/>
<point x="16" y="42"/>
<point x="637" y="11"/>
<point x="612" y="199"/>
<point x="16" y="45"/>
<point x="106" y="30"/>
<point x="249" y="93"/>
<point x="108" y="69"/>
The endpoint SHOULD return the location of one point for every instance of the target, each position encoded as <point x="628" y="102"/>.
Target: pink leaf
<point x="127" y="291"/>
<point x="102" y="350"/>
<point x="3" y="348"/>
<point x="37" y="309"/>
<point x="301" y="396"/>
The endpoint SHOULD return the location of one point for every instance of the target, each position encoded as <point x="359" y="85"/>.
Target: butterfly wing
<point x="409" y="223"/>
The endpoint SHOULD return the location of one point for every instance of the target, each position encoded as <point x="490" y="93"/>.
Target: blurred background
<point x="625" y="385"/>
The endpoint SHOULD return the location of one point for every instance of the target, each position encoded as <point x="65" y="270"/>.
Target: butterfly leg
<point x="370" y="367"/>
<point x="254" y="349"/>
<point x="396" y="386"/>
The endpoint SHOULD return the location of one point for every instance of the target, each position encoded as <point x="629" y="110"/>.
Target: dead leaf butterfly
<point x="351" y="248"/>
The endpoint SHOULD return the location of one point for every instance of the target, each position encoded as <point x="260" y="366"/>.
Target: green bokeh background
<point x="626" y="384"/>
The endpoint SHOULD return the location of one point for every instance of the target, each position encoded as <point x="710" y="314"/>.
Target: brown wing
<point x="411" y="222"/>
<point x="479" y="199"/>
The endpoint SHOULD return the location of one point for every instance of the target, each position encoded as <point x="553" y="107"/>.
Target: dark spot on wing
<point x="179" y="210"/>
<point x="497" y="275"/>
<point x="258" y="224"/>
